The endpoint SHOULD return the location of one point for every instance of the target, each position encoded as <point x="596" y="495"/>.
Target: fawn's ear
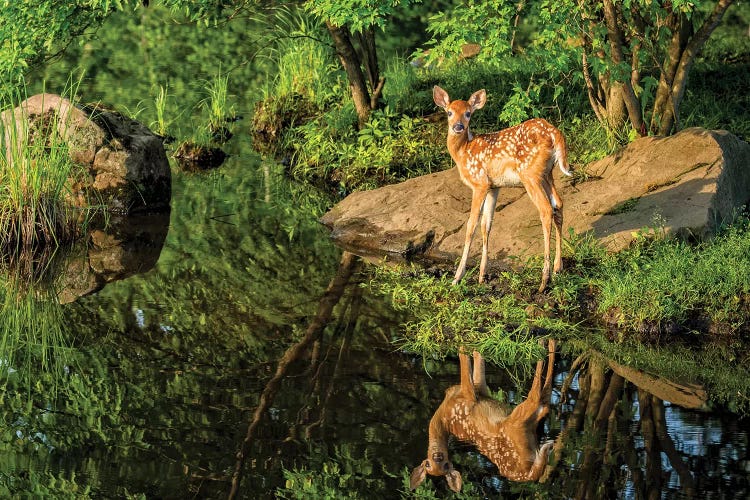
<point x="454" y="480"/>
<point x="477" y="99"/>
<point x="417" y="476"/>
<point x="440" y="97"/>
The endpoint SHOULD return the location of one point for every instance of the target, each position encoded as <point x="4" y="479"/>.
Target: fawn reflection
<point x="506" y="436"/>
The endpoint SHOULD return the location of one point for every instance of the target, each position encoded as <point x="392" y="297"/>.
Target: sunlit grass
<point x="162" y="123"/>
<point x="217" y="101"/>
<point x="659" y="283"/>
<point x="667" y="280"/>
<point x="35" y="174"/>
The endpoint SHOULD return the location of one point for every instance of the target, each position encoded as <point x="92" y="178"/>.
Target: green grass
<point x="217" y="101"/>
<point x="668" y="281"/>
<point x="34" y="178"/>
<point x="34" y="335"/>
<point x="659" y="285"/>
<point x="162" y="123"/>
<point x="661" y="291"/>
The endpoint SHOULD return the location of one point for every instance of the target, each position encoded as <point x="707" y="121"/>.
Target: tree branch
<point x="692" y="50"/>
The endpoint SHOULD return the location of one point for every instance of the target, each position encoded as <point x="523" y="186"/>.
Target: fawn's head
<point x="436" y="464"/>
<point x="459" y="112"/>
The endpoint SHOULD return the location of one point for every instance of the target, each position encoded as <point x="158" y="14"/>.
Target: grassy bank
<point x="657" y="291"/>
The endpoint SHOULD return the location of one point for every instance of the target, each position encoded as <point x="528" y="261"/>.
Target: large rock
<point x="691" y="182"/>
<point x="127" y="167"/>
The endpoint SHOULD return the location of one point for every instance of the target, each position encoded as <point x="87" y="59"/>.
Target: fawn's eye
<point x="450" y="113"/>
<point x="468" y="114"/>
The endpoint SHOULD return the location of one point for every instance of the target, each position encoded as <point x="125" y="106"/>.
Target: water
<point x="165" y="369"/>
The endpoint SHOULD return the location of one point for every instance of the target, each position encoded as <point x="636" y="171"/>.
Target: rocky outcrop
<point x="126" y="167"/>
<point x="689" y="183"/>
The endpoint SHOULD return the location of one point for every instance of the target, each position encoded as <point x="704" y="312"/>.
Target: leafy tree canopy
<point x="31" y="30"/>
<point x="358" y="15"/>
<point x="633" y="57"/>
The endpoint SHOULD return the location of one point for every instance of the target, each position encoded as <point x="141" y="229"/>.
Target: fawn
<point x="508" y="438"/>
<point x="521" y="155"/>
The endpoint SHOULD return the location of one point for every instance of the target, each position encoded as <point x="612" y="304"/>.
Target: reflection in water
<point x="614" y="438"/>
<point x="508" y="438"/>
<point x="330" y="298"/>
<point x="124" y="247"/>
<point x="37" y="282"/>
<point x="185" y="365"/>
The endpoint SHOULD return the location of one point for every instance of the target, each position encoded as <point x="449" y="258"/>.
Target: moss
<point x="275" y="115"/>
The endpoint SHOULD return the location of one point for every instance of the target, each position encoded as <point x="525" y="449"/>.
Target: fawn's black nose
<point x="458" y="127"/>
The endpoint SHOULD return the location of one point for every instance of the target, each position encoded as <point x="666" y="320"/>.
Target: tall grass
<point x="216" y="102"/>
<point x="36" y="218"/>
<point x="162" y="123"/>
<point x="35" y="170"/>
<point x="304" y="65"/>
<point x="667" y="281"/>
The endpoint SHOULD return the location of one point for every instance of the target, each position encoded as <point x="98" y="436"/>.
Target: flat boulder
<point x="125" y="165"/>
<point x="689" y="183"/>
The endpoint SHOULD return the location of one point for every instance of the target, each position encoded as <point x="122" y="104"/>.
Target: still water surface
<point x="164" y="372"/>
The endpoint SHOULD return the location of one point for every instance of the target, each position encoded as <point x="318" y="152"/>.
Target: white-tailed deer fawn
<point x="521" y="155"/>
<point x="508" y="438"/>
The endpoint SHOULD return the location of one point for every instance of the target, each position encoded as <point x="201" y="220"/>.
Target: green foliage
<point x="37" y="484"/>
<point x="357" y="14"/>
<point x="31" y="30"/>
<point x="340" y="476"/>
<point x="661" y="281"/>
<point x="553" y="36"/>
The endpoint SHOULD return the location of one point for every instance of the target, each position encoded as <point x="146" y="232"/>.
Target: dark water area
<point x="252" y="334"/>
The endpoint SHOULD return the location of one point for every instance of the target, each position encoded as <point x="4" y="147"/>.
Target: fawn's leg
<point x="488" y="212"/>
<point x="477" y="199"/>
<point x="538" y="195"/>
<point x="467" y="386"/>
<point x="557" y="218"/>
<point x="480" y="383"/>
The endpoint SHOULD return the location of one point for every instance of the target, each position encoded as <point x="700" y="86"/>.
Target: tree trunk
<point x="612" y="18"/>
<point x="683" y="50"/>
<point x="617" y="111"/>
<point x="681" y="31"/>
<point x="370" y="59"/>
<point x="352" y="65"/>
